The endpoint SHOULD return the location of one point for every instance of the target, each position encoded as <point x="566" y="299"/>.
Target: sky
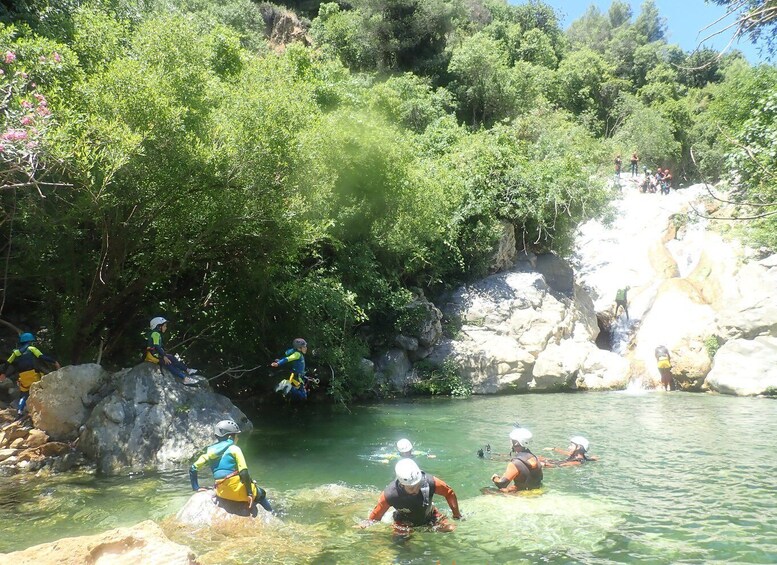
<point x="684" y="19"/>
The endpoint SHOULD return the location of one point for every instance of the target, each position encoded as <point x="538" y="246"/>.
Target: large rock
<point x="144" y="543"/>
<point x="750" y="309"/>
<point x="603" y="370"/>
<point x="152" y="421"/>
<point x="558" y="365"/>
<point x="62" y="401"/>
<point x="745" y="367"/>
<point x="394" y="367"/>
<point x="201" y="510"/>
<point x="506" y="251"/>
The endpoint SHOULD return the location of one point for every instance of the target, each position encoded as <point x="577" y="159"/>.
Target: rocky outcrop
<point x="152" y="421"/>
<point x="745" y="367"/>
<point x="201" y="510"/>
<point x="144" y="543"/>
<point x="26" y="449"/>
<point x="61" y="402"/>
<point x="506" y="251"/>
<point x="283" y="26"/>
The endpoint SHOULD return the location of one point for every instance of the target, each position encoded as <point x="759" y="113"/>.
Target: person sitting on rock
<point x="25" y="362"/>
<point x="411" y="496"/>
<point x="155" y="353"/>
<point x="664" y="362"/>
<point x="524" y="470"/>
<point x="235" y="491"/>
<point x="622" y="301"/>
<point x="576" y="454"/>
<point x="295" y="386"/>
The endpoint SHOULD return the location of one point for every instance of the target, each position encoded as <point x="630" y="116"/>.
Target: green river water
<point x="683" y="478"/>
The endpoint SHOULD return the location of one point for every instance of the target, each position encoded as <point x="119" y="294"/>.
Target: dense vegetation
<point x="255" y="179"/>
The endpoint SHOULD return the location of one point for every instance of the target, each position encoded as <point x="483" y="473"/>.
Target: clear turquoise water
<point x="683" y="478"/>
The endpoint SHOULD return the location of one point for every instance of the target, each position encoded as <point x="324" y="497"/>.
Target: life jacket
<point x="620" y="296"/>
<point x="664" y="363"/>
<point x="153" y="339"/>
<point x="297" y="368"/>
<point x="530" y="476"/>
<point x="226" y="476"/>
<point x="414" y="509"/>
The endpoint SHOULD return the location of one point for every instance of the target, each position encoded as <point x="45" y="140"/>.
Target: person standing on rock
<point x="634" y="164"/>
<point x="524" y="470"/>
<point x="411" y="496"/>
<point x="25" y="361"/>
<point x="618" y="164"/>
<point x="664" y="362"/>
<point x="155" y="353"/>
<point x="622" y="301"/>
<point x="295" y="386"/>
<point x="235" y="491"/>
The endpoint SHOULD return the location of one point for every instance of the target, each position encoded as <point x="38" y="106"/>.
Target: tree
<point x="756" y="19"/>
<point x="650" y="23"/>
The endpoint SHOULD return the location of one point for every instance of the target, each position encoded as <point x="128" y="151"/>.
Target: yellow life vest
<point x="150" y="358"/>
<point x="232" y="488"/>
<point x="26" y="378"/>
<point x="664" y="363"/>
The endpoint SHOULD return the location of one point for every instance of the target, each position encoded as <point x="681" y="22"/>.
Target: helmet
<point x="404" y="446"/>
<point x="408" y="473"/>
<point x="26" y="337"/>
<point x="158" y="321"/>
<point x="520" y="436"/>
<point x="226" y="427"/>
<point x="580" y="441"/>
<point x="299" y="342"/>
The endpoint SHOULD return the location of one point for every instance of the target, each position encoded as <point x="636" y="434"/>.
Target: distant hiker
<point x="618" y="163"/>
<point x="634" y="164"/>
<point x="664" y="363"/>
<point x="645" y="184"/>
<point x="524" y="469"/>
<point x="666" y="182"/>
<point x="622" y="301"/>
<point x="235" y="491"/>
<point x="296" y="386"/>
<point x="25" y="362"/>
<point x="576" y="454"/>
<point x="155" y="353"/>
<point x="411" y="496"/>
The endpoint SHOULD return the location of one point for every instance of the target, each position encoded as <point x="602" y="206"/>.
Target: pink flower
<point x="15" y="135"/>
<point x="43" y="110"/>
<point x="27" y="120"/>
<point x="26" y="104"/>
<point x="23" y="75"/>
<point x="2" y="148"/>
<point x="57" y="57"/>
<point x="40" y="98"/>
<point x="2" y="72"/>
<point x="10" y="57"/>
<point x="42" y="58"/>
<point x="32" y="145"/>
<point x="33" y="86"/>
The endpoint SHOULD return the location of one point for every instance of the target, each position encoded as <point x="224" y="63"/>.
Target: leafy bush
<point x="441" y="381"/>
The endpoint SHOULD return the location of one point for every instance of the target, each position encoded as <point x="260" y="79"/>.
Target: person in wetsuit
<point x="235" y="491"/>
<point x="155" y="353"/>
<point x="25" y="362"/>
<point x="576" y="454"/>
<point x="524" y="470"/>
<point x="664" y="363"/>
<point x="411" y="495"/>
<point x="295" y="387"/>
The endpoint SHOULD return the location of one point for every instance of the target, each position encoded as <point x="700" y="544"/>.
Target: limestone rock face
<point x="745" y="367"/>
<point x="61" y="401"/>
<point x="394" y="367"/>
<point x="143" y="543"/>
<point x="506" y="251"/>
<point x="152" y="421"/>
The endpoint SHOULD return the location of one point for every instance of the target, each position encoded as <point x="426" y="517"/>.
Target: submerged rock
<point x="144" y="543"/>
<point x="152" y="421"/>
<point x="201" y="510"/>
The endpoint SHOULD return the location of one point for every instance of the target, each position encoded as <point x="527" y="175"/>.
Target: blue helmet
<point x="26" y="337"/>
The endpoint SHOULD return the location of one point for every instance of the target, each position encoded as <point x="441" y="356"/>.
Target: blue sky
<point x="684" y="18"/>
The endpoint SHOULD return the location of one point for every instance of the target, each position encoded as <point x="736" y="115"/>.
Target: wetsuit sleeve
<point x="380" y="509"/>
<point x="242" y="468"/>
<point x="293" y="357"/>
<point x="450" y="496"/>
<point x="202" y="460"/>
<point x="510" y="473"/>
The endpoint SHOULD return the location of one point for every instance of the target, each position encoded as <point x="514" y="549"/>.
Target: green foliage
<point x="712" y="344"/>
<point x="441" y="381"/>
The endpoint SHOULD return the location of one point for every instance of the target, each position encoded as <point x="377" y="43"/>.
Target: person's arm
<point x="43" y="357"/>
<point x="441" y="487"/>
<point x="380" y="509"/>
<point x="293" y="357"/>
<point x="202" y="460"/>
<point x="510" y="473"/>
<point x="7" y="365"/>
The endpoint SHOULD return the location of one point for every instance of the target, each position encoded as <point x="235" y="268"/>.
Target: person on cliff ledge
<point x="155" y="353"/>
<point x="664" y="363"/>
<point x="26" y="362"/>
<point x="576" y="454"/>
<point x="296" y="386"/>
<point x="524" y="470"/>
<point x="235" y="491"/>
<point x="411" y="496"/>
<point x="622" y="301"/>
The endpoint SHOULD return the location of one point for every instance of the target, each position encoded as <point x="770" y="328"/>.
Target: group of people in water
<point x="652" y="182"/>
<point x="411" y="492"/>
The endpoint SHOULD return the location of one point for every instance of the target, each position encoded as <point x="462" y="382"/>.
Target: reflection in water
<point x="661" y="493"/>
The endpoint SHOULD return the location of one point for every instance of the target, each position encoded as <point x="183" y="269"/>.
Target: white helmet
<point x="520" y="436"/>
<point x="158" y="321"/>
<point x="579" y="441"/>
<point x="404" y="446"/>
<point x="408" y="473"/>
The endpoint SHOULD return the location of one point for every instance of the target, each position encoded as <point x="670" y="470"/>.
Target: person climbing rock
<point x="634" y="164"/>
<point x="524" y="469"/>
<point x="618" y="164"/>
<point x="622" y="301"/>
<point x="235" y="491"/>
<point x="411" y="495"/>
<point x="576" y="454"/>
<point x="664" y="362"/>
<point x="155" y="353"/>
<point x="26" y="363"/>
<point x="296" y="386"/>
